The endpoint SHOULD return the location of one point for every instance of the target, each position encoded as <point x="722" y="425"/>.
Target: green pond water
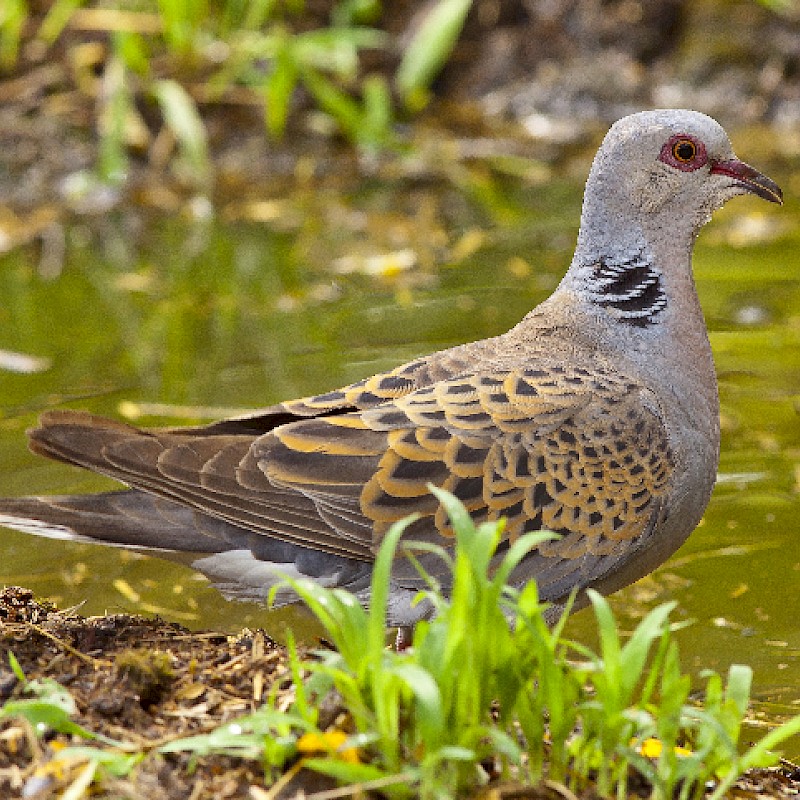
<point x="179" y="319"/>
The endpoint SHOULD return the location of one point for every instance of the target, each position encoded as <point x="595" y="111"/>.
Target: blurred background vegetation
<point x="99" y="96"/>
<point x="207" y="205"/>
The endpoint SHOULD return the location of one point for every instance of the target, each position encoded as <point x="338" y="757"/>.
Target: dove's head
<point x="665" y="172"/>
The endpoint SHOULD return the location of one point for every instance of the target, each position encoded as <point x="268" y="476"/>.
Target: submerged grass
<point x="487" y="692"/>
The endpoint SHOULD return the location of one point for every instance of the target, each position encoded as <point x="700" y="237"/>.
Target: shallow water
<point x="210" y="316"/>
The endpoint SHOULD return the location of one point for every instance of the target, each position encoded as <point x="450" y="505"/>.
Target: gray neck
<point x="625" y="264"/>
<point x="631" y="293"/>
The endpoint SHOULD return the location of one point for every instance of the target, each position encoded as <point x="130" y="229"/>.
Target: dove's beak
<point x="749" y="179"/>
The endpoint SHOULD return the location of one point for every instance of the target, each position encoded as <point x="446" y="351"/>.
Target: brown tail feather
<point x="76" y="437"/>
<point x="126" y="518"/>
<point x="144" y="460"/>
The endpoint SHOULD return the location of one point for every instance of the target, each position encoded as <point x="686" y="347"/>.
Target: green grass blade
<point x="517" y="552"/>
<point x="116" y="105"/>
<point x="16" y="668"/>
<point x="760" y="755"/>
<point x="279" y="87"/>
<point x="429" y="710"/>
<point x="44" y="716"/>
<point x="458" y="515"/>
<point x="56" y="19"/>
<point x="429" y="49"/>
<point x="13" y="15"/>
<point x="737" y="693"/>
<point x="183" y="119"/>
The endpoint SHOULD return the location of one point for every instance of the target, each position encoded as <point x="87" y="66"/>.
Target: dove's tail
<point x="242" y="565"/>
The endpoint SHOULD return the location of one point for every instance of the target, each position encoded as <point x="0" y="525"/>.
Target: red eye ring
<point x="684" y="152"/>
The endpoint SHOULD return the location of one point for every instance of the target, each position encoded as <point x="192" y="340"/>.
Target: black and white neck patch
<point x="631" y="286"/>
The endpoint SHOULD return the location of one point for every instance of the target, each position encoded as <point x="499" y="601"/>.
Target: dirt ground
<point x="140" y="681"/>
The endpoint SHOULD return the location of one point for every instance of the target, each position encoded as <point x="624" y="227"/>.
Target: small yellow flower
<point x="652" y="748"/>
<point x="330" y="743"/>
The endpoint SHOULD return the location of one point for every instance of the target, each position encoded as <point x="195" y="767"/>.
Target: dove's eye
<point x="684" y="152"/>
